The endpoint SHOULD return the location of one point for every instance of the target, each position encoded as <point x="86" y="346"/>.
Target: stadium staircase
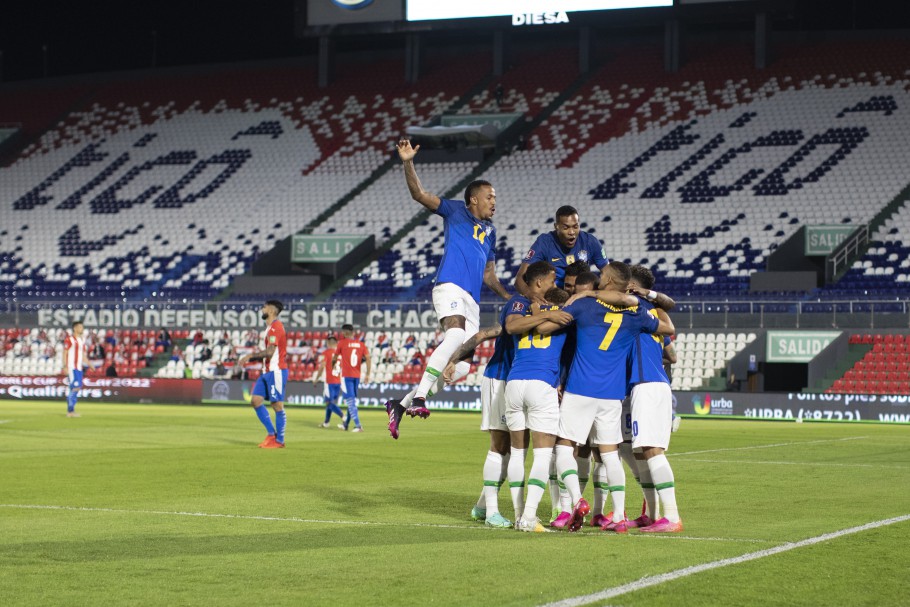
<point x="855" y="353"/>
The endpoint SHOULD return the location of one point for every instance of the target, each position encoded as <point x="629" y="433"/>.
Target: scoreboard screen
<point x="425" y="10"/>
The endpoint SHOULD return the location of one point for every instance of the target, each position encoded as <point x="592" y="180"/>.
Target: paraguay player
<point x="467" y="264"/>
<point x="351" y="352"/>
<point x="274" y="378"/>
<point x="73" y="355"/>
<point x="331" y="392"/>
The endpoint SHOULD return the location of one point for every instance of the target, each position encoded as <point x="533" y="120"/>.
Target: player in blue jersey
<point x="532" y="401"/>
<point x="562" y="247"/>
<point x="652" y="418"/>
<point x="493" y="411"/>
<point x="467" y="264"/>
<point x="597" y="382"/>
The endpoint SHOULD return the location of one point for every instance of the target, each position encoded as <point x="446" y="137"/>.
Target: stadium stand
<point x="884" y="369"/>
<point x="633" y="150"/>
<point x="702" y="355"/>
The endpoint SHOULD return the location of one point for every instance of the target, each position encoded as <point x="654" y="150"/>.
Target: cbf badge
<point x="582" y="255"/>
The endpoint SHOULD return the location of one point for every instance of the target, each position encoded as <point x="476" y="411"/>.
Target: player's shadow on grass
<point x="454" y="506"/>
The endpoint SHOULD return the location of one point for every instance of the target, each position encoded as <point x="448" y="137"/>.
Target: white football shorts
<point x="493" y="405"/>
<point x="652" y="415"/>
<point x="532" y="404"/>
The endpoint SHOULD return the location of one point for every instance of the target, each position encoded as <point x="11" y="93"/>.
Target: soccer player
<point x="493" y="412"/>
<point x="274" y="378"/>
<point x="467" y="264"/>
<point x="73" y="354"/>
<point x="572" y="273"/>
<point x="532" y="401"/>
<point x="652" y="418"/>
<point x="562" y="247"/>
<point x="351" y="352"/>
<point x="597" y="382"/>
<point x="331" y="392"/>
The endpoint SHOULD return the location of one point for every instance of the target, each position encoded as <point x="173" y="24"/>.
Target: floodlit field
<point x="166" y="505"/>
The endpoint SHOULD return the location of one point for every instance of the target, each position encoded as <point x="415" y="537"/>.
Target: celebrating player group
<point x="577" y="366"/>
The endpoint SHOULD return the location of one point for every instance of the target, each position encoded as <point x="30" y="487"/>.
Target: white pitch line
<point x="777" y="463"/>
<point x="5" y="421"/>
<point x="655" y="580"/>
<point x="769" y="446"/>
<point x="473" y="527"/>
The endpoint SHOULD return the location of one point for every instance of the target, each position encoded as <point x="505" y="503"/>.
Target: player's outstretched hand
<point x="405" y="151"/>
<point x="559" y="317"/>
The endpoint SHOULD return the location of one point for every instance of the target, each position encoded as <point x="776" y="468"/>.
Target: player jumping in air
<point x="467" y="264"/>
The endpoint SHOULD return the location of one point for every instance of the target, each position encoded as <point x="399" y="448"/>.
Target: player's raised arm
<point x="407" y="153"/>
<point x="492" y="281"/>
<point x="660" y="300"/>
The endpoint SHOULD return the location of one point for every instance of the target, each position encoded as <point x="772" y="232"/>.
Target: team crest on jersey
<point x="530" y="254"/>
<point x="570" y="259"/>
<point x="582" y="255"/>
<point x="518" y="307"/>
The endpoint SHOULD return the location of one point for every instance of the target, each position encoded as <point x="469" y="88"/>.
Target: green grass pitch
<point x="168" y="505"/>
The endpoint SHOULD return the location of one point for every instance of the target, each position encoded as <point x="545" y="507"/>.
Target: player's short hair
<point x="621" y="273"/>
<point x="347" y="327"/>
<point x="277" y="304"/>
<point x="575" y="269"/>
<point x="564" y="211"/>
<point x="472" y="188"/>
<point x="643" y="276"/>
<point x="556" y="296"/>
<point x="76" y="322"/>
<point x="587" y="278"/>
<point x="537" y="270"/>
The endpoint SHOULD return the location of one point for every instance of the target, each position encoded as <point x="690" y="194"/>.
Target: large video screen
<point x="425" y="10"/>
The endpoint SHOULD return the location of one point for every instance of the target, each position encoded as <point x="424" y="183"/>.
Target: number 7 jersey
<point x="605" y="335"/>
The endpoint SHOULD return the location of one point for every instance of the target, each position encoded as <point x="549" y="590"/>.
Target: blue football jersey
<point x="646" y="358"/>
<point x="469" y="244"/>
<point x="547" y="248"/>
<point x="536" y="356"/>
<point x="500" y="363"/>
<point x="605" y="335"/>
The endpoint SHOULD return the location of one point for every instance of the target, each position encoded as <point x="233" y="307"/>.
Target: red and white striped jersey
<point x="275" y="336"/>
<point x="73" y="353"/>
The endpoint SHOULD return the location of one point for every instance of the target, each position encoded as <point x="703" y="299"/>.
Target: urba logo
<point x="701" y="408"/>
<point x="352" y="5"/>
